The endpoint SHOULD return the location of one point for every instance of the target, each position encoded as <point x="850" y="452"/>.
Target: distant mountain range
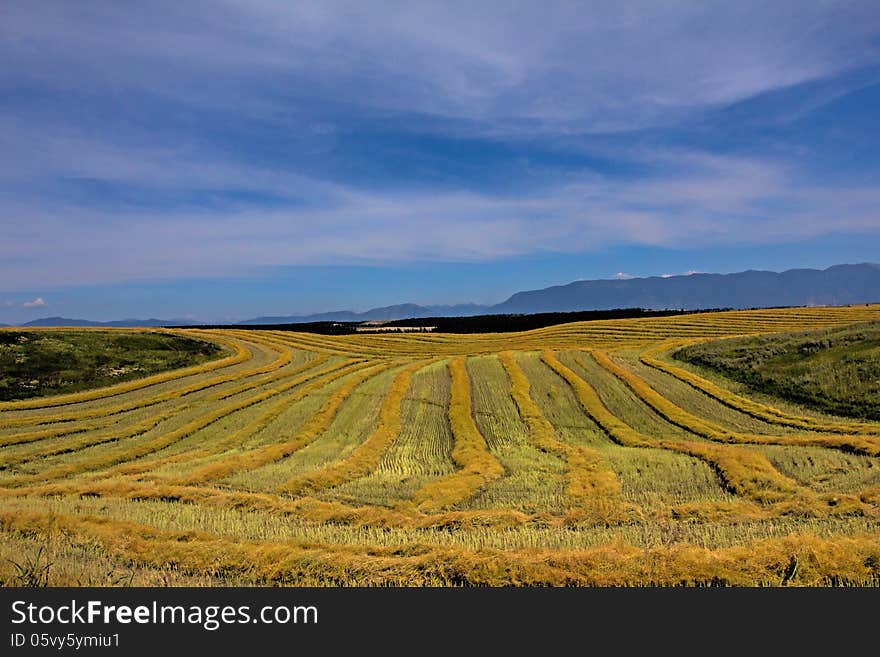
<point x="383" y="314"/>
<point x="835" y="286"/>
<point x="66" y="321"/>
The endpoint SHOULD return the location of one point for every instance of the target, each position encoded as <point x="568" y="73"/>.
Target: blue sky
<point x="230" y="159"/>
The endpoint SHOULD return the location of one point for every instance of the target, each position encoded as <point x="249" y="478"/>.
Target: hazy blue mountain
<point x="65" y="321"/>
<point x="386" y="313"/>
<point x="838" y="285"/>
<point x="149" y="322"/>
<point x="60" y="321"/>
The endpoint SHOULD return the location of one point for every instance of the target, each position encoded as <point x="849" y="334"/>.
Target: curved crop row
<point x="318" y="343"/>
<point x="766" y="561"/>
<point x="469" y="451"/>
<point x="309" y="509"/>
<point x="682" y="418"/>
<point x="749" y="406"/>
<point x="366" y="456"/>
<point x="601" y="333"/>
<point x="239" y="355"/>
<point x="420" y="453"/>
<point x="320" y="512"/>
<point x="89" y="440"/>
<point x="591" y="481"/>
<point x="312" y="382"/>
<point x="285" y="357"/>
<point x="312" y="428"/>
<point x="45" y="434"/>
<point x="745" y="473"/>
<point x="319" y="379"/>
<point x="129" y="453"/>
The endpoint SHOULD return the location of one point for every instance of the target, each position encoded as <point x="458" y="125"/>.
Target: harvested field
<point x="577" y="454"/>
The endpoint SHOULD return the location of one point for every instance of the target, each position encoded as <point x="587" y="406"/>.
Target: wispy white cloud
<point x="623" y="276"/>
<point x="558" y="70"/>
<point x="606" y="67"/>
<point x="596" y="67"/>
<point x="36" y="303"/>
<point x="709" y="202"/>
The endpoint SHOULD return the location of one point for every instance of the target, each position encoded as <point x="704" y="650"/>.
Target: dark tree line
<point x="474" y="324"/>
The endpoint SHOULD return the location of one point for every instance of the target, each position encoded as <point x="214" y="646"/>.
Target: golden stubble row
<point x="765" y="412"/>
<point x="591" y="482"/>
<point x="746" y="473"/>
<point x="867" y="445"/>
<point x="853" y="559"/>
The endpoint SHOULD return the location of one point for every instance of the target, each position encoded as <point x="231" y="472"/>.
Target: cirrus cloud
<point x="203" y="139"/>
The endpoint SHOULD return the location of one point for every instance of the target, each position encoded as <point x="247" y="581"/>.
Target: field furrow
<point x="420" y="453"/>
<point x="866" y="445"/>
<point x="751" y="407"/>
<point x="145" y="447"/>
<point x="313" y="427"/>
<point x="367" y="455"/>
<point x="592" y="483"/>
<point x="477" y="466"/>
<point x="284" y="357"/>
<point x="239" y="354"/>
<point x="753" y="563"/>
<point x="746" y="473"/>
